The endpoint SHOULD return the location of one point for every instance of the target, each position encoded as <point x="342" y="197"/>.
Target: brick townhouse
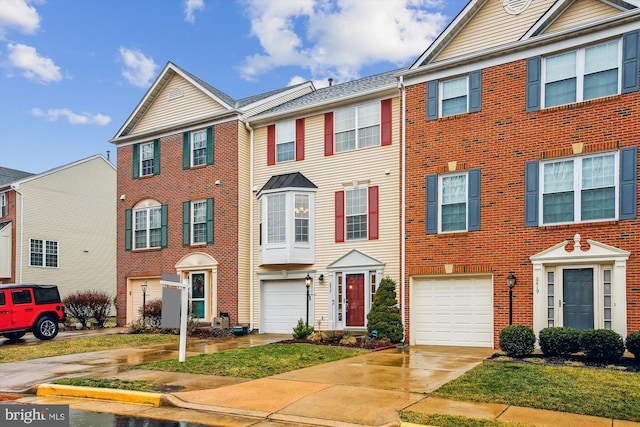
<point x="521" y="172"/>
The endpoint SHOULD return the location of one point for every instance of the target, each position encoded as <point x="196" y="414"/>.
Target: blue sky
<point x="71" y="71"/>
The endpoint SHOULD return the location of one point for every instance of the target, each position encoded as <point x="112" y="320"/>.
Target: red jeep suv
<point x="30" y="308"/>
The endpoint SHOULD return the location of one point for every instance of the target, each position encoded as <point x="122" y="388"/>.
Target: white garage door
<point x="283" y="303"/>
<point x="453" y="312"/>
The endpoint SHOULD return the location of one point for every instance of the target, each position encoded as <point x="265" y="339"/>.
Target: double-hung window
<point x="453" y="202"/>
<point x="276" y="218"/>
<point x="580" y="189"/>
<point x="582" y="74"/>
<point x="3" y="204"/>
<point x="43" y="253"/>
<point x="587" y="188"/>
<point x="197" y="222"/>
<point x="301" y="214"/>
<point x="357" y="127"/>
<point x="285" y="141"/>
<point x="357" y="214"/>
<point x="459" y="95"/>
<point x="146" y="159"/>
<point x="147" y="228"/>
<point x="198" y="148"/>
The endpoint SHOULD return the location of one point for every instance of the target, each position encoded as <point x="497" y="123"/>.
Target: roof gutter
<point x="251" y="226"/>
<point x="403" y="187"/>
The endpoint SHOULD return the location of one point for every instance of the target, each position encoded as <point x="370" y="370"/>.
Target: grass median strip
<point x="588" y="391"/>
<point x="255" y="362"/>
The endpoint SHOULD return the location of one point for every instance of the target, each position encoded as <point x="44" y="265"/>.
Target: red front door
<point x="355" y="300"/>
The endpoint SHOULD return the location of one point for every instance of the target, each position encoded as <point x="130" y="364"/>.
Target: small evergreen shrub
<point x="152" y="313"/>
<point x="384" y="316"/>
<point x="302" y="331"/>
<point x="559" y="341"/>
<point x="633" y="344"/>
<point x="517" y="340"/>
<point x="601" y="345"/>
<point x="137" y="327"/>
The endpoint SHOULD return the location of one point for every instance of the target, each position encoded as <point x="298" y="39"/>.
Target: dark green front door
<point x="578" y="298"/>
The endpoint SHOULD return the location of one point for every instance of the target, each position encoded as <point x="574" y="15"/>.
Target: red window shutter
<point x="339" y="216"/>
<point x="385" y="118"/>
<point x="328" y="134"/>
<point x="299" y="139"/>
<point x="373" y="213"/>
<point x="271" y="145"/>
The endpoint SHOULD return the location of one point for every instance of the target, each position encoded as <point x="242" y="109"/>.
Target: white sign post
<point x="173" y="280"/>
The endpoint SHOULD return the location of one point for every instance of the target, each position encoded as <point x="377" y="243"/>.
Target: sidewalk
<point x="366" y="390"/>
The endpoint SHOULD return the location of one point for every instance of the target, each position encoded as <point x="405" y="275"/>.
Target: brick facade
<point x="173" y="186"/>
<point x="499" y="140"/>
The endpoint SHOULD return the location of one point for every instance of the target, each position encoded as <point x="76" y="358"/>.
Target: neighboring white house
<point x="58" y="227"/>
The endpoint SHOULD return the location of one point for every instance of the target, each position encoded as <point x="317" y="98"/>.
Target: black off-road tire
<point x="46" y="328"/>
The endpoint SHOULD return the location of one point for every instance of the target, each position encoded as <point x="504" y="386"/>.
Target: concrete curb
<point x="129" y="396"/>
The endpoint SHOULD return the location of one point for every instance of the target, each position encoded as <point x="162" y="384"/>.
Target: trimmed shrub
<point x="517" y="340"/>
<point x="302" y="331"/>
<point x="633" y="344"/>
<point x="601" y="345"/>
<point x="384" y="316"/>
<point x="559" y="341"/>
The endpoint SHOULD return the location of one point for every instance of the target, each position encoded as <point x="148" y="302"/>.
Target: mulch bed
<point x="628" y="364"/>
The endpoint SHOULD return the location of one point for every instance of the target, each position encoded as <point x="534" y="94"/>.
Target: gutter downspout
<point x="15" y="187"/>
<point x="251" y="226"/>
<point x="403" y="202"/>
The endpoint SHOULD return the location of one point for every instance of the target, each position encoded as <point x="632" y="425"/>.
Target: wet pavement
<point x="366" y="390"/>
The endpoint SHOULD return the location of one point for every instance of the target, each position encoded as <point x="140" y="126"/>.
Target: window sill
<point x="141" y="250"/>
<point x="580" y="104"/>
<point x="579" y="225"/>
<point x="453" y="234"/>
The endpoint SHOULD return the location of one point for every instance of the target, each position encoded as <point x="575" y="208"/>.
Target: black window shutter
<point x="628" y="182"/>
<point x="432" y="100"/>
<point x="127" y="230"/>
<point x="186" y="223"/>
<point x="475" y="91"/>
<point x="432" y="204"/>
<point x="533" y="83"/>
<point x="156" y="157"/>
<point x="210" y="144"/>
<point x="210" y="221"/>
<point x="630" y="61"/>
<point x="135" y="167"/>
<point x="531" y="194"/>
<point x="186" y="150"/>
<point x="474" y="200"/>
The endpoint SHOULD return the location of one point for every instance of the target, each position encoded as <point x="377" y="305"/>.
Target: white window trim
<point x="192" y="148"/>
<point x="356" y="128"/>
<point x="3" y="205"/>
<point x="192" y="222"/>
<point x="142" y="159"/>
<point x="466" y="202"/>
<point x="580" y="74"/>
<point x="577" y="187"/>
<point x="366" y="213"/>
<point x="44" y="253"/>
<point x="288" y="141"/>
<point x="441" y="98"/>
<point x="148" y="228"/>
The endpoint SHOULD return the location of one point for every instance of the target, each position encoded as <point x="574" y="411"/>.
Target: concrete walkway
<point x="366" y="390"/>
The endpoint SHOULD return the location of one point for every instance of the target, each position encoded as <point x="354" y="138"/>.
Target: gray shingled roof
<point x="338" y="91"/>
<point x="288" y="180"/>
<point x="7" y="176"/>
<point x="237" y="103"/>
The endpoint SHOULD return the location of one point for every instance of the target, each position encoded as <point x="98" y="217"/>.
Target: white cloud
<point x="33" y="66"/>
<point x="190" y="6"/>
<point x="19" y="15"/>
<point x="139" y="70"/>
<point x="338" y="37"/>
<point x="53" y="114"/>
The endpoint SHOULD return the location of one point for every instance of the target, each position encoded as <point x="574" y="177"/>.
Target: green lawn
<point x="19" y="352"/>
<point x="255" y="362"/>
<point x="604" y="393"/>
